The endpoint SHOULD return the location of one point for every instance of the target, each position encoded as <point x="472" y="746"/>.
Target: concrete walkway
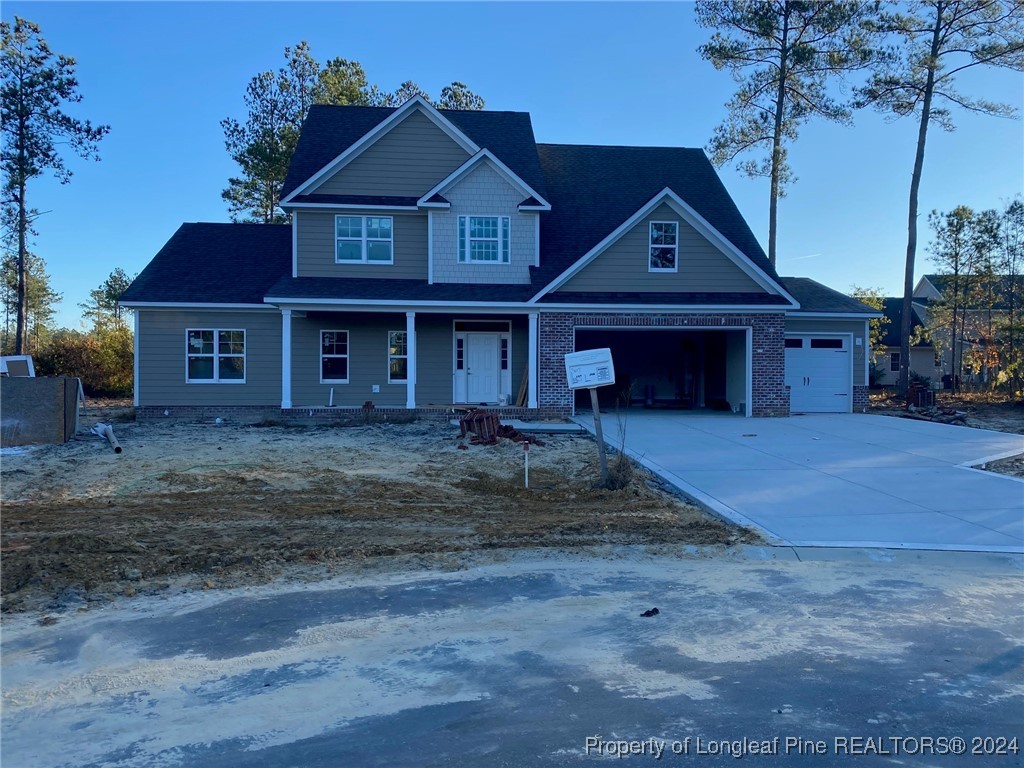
<point x="837" y="480"/>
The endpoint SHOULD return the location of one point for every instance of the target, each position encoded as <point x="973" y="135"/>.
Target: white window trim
<point x="348" y="356"/>
<point x="398" y="357"/>
<point x="364" y="240"/>
<point x="504" y="258"/>
<point x="651" y="244"/>
<point x="216" y="355"/>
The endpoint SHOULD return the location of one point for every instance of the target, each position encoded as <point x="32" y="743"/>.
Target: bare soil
<point x="208" y="505"/>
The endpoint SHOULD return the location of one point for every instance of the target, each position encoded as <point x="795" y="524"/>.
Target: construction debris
<point x="107" y="432"/>
<point x="485" y="428"/>
<point x="937" y="414"/>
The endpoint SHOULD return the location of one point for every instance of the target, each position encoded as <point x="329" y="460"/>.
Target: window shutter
<point x="462" y="238"/>
<point x="505" y="225"/>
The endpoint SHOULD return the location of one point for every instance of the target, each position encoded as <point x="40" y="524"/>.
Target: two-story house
<point x="441" y="257"/>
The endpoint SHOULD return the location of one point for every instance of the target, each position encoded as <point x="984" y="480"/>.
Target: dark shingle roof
<point x="815" y="297"/>
<point x="396" y="290"/>
<point x="328" y="131"/>
<point x="594" y="189"/>
<point x="215" y="263"/>
<point x="893" y="310"/>
<point x="580" y="297"/>
<point x="1003" y="286"/>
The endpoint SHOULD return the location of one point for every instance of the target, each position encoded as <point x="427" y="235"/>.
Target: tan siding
<point x="407" y="161"/>
<point x="624" y="265"/>
<point x="316" y="247"/>
<point x="826" y="326"/>
<point x="162" y="358"/>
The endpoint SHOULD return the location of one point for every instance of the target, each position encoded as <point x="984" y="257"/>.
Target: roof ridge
<point x="619" y="146"/>
<point x="232" y="224"/>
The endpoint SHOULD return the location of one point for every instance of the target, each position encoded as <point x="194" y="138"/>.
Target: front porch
<point x="412" y="361"/>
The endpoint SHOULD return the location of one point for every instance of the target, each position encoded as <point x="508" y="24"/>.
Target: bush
<point x="103" y="359"/>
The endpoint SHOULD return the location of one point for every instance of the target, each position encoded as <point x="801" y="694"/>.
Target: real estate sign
<point x="589" y="368"/>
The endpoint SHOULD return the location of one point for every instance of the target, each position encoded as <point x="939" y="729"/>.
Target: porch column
<point x="135" y="357"/>
<point x="410" y="362"/>
<point x="531" y="377"/>
<point x="286" y="358"/>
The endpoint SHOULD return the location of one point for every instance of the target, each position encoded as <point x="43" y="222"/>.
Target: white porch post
<point x="286" y="358"/>
<point x="410" y="362"/>
<point x="531" y="397"/>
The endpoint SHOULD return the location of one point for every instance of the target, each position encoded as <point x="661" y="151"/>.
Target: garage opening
<point x="671" y="369"/>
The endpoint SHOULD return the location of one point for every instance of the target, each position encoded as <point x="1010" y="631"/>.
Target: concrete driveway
<point x="837" y="480"/>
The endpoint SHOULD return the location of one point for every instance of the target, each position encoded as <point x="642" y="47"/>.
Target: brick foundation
<point x="860" y="398"/>
<point x="248" y="414"/>
<point x="770" y="397"/>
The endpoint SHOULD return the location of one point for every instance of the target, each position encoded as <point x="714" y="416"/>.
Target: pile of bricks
<point x="485" y="428"/>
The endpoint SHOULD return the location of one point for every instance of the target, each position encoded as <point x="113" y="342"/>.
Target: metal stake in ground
<point x="601" y="455"/>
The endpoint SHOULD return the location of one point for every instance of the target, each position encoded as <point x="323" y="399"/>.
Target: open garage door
<point x="819" y="373"/>
<point x="672" y="368"/>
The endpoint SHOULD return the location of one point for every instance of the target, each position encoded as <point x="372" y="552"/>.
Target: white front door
<point x="482" y="367"/>
<point x="818" y="374"/>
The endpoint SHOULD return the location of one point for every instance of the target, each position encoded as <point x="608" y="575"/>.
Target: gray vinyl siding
<point x="162" y="358"/>
<point x="796" y="324"/>
<point x="316" y="246"/>
<point x="624" y="265"/>
<point x="483" y="192"/>
<point x="407" y="161"/>
<point x="368" y="358"/>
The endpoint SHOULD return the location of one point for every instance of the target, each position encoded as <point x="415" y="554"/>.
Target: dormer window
<point x="363" y="239"/>
<point x="664" y="246"/>
<point x="484" y="239"/>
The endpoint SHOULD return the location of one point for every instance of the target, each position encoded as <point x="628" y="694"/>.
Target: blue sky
<point x="163" y="75"/>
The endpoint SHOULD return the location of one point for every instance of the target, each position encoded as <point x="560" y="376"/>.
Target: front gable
<point x="405" y="161"/>
<point x="704" y="261"/>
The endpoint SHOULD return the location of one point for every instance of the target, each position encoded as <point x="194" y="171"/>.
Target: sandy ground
<point x="206" y="505"/>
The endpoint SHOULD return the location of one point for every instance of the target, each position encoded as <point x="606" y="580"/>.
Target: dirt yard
<point x="208" y="505"/>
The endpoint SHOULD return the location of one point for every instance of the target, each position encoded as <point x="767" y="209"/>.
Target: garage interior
<point x="672" y="369"/>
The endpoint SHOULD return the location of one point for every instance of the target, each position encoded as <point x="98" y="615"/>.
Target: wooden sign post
<point x="590" y="369"/>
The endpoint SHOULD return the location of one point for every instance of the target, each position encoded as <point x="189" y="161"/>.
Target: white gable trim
<point x="413" y="104"/>
<point x="695" y="220"/>
<point x="925" y="289"/>
<point x="503" y="170"/>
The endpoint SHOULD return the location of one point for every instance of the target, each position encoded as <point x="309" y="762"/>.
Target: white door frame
<point x="459" y="378"/>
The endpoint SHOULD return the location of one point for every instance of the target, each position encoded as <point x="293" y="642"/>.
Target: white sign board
<point x="589" y="368"/>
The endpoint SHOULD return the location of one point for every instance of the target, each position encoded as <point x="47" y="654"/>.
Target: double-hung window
<point x="484" y="239"/>
<point x="334" y="357"/>
<point x="364" y="240"/>
<point x="894" y="362"/>
<point x="398" y="357"/>
<point x="214" y="356"/>
<point x="664" y="246"/>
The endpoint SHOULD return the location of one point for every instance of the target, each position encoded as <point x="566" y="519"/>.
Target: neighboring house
<point x="925" y="360"/>
<point x="443" y="257"/>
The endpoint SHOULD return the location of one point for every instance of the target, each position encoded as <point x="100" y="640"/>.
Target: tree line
<point x="789" y="59"/>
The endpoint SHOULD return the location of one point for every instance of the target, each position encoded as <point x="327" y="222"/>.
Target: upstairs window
<point x="363" y="240"/>
<point x="214" y="356"/>
<point x="484" y="239"/>
<point x="664" y="246"/>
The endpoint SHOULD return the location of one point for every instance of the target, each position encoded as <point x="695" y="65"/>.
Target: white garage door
<point x="818" y="374"/>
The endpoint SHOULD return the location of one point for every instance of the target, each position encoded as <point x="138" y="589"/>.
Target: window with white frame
<point x="894" y="362"/>
<point x="398" y="357"/>
<point x="484" y="239"/>
<point x="664" y="246"/>
<point x="334" y="357"/>
<point x="364" y="240"/>
<point x="214" y="356"/>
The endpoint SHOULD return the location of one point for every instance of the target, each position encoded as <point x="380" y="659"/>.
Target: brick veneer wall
<point x="860" y="398"/>
<point x="770" y="397"/>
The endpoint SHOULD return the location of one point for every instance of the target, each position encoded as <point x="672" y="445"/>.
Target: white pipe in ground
<point x="107" y="432"/>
